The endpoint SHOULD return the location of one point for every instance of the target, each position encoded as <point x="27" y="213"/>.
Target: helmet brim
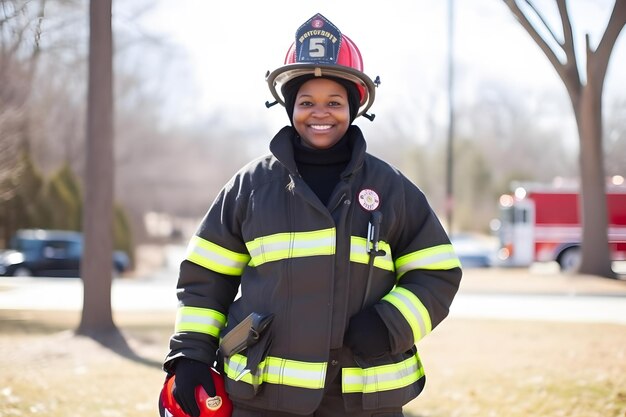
<point x="280" y="76"/>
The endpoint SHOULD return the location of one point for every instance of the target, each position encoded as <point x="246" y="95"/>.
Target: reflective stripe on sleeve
<point x="216" y="258"/>
<point x="382" y="378"/>
<point x="359" y="254"/>
<point x="436" y="257"/>
<point x="281" y="246"/>
<point x="412" y="310"/>
<point x="199" y="320"/>
<point x="276" y="370"/>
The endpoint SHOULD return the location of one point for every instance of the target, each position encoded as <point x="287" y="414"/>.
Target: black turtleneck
<point x="321" y="168"/>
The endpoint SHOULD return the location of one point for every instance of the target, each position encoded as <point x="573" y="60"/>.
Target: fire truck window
<point x="521" y="215"/>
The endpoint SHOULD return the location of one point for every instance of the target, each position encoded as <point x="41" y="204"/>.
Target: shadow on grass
<point x="18" y="322"/>
<point x="114" y="340"/>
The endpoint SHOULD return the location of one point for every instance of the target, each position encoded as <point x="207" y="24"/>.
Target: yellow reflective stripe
<point x="437" y="257"/>
<point x="291" y="245"/>
<point x="358" y="253"/>
<point x="216" y="258"/>
<point x="412" y="310"/>
<point x="382" y="378"/>
<point x="199" y="320"/>
<point x="281" y="371"/>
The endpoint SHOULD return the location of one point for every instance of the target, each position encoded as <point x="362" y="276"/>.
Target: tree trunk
<point x="596" y="254"/>
<point x="96" y="267"/>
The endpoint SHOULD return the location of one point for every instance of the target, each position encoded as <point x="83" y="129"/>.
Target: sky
<point x="223" y="50"/>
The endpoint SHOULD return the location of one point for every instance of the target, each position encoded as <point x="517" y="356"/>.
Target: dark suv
<point x="50" y="253"/>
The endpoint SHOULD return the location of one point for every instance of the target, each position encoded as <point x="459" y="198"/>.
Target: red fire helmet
<point x="322" y="50"/>
<point x="218" y="406"/>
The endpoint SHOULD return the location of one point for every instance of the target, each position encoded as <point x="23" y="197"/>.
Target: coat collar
<point x="281" y="147"/>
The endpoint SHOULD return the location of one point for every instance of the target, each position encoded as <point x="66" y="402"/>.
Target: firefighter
<point x="338" y="247"/>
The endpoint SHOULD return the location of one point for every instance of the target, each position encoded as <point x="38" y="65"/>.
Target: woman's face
<point x="321" y="113"/>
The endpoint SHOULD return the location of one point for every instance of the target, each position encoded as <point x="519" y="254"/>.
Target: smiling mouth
<point x="320" y="127"/>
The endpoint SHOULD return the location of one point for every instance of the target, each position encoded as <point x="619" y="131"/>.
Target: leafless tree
<point x="585" y="94"/>
<point x="96" y="267"/>
<point x="20" y="32"/>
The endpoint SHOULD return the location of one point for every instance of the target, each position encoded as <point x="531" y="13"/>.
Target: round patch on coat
<point x="368" y="199"/>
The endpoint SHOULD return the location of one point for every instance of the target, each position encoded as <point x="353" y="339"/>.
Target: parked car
<point x="51" y="253"/>
<point x="474" y="250"/>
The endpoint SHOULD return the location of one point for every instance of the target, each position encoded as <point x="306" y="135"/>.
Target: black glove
<point x="367" y="335"/>
<point x="189" y="374"/>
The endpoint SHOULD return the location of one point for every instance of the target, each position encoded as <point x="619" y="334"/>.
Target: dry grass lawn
<point x="474" y="368"/>
<point x="514" y="369"/>
<point x="481" y="368"/>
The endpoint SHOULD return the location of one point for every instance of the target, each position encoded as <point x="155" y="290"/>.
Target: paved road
<point x="67" y="294"/>
<point x="157" y="293"/>
<point x="572" y="308"/>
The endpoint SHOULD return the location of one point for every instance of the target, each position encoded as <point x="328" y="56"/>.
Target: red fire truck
<point x="543" y="223"/>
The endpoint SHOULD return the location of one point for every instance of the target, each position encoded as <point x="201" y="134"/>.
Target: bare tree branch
<point x="566" y="71"/>
<point x="8" y="15"/>
<point x="544" y="22"/>
<point x="40" y="17"/>
<point x="599" y="58"/>
<point x="568" y="42"/>
<point x="525" y="22"/>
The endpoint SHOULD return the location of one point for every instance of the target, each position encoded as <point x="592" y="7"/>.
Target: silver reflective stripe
<point x="369" y="379"/>
<point x="200" y="320"/>
<point x="291" y="245"/>
<point x="276" y="370"/>
<point x="382" y="378"/>
<point x="217" y="258"/>
<point x="286" y="373"/>
<point x="359" y="254"/>
<point x="439" y="257"/>
<point x="414" y="312"/>
<point x="211" y="256"/>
